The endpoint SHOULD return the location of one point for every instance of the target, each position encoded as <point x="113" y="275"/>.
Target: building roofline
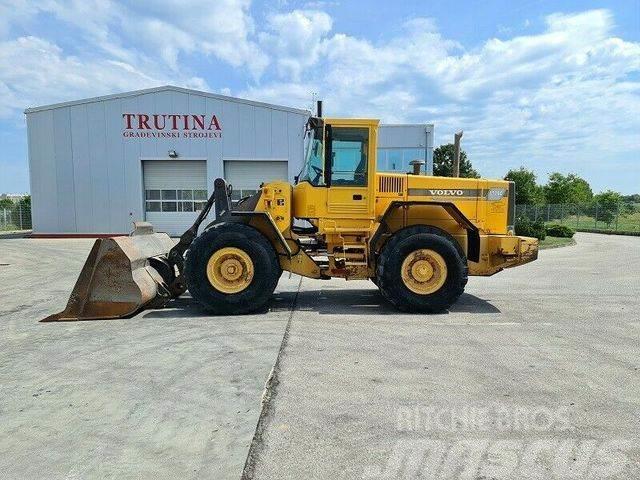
<point x="407" y="125"/>
<point x="164" y="88"/>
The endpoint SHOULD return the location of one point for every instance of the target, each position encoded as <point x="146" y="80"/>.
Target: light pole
<point x="456" y="159"/>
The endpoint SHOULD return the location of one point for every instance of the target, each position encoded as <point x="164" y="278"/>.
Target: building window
<point x="175" y="200"/>
<point x="153" y="207"/>
<point x="238" y="195"/>
<point x="397" y="159"/>
<point x="169" y="207"/>
<point x="152" y="194"/>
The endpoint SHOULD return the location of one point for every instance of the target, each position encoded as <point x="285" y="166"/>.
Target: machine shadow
<point x="324" y="302"/>
<point x="371" y="302"/>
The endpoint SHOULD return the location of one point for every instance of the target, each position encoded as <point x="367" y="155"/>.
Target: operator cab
<point x="338" y="177"/>
<point x="338" y="152"/>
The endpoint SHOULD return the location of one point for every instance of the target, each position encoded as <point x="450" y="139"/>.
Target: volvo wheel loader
<point x="416" y="237"/>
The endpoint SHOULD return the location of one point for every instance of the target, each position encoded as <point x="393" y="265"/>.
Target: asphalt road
<point x="533" y="374"/>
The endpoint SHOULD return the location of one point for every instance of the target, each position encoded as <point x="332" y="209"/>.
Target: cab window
<point x="349" y="150"/>
<point x="313" y="168"/>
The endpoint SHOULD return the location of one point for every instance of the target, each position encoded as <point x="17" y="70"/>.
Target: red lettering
<point x="174" y="121"/>
<point x="214" y="124"/>
<point x="128" y="117"/>
<point x="198" y="120"/>
<point x="156" y="123"/>
<point x="143" y="122"/>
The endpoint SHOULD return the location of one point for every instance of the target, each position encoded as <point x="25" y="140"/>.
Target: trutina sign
<point x="170" y="125"/>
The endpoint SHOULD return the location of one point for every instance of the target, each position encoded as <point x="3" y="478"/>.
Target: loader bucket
<point x="119" y="279"/>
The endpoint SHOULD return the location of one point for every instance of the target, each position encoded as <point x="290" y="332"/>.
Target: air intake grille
<point x="390" y="184"/>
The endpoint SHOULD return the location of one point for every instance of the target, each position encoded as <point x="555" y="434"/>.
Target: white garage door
<point x="246" y="175"/>
<point x="175" y="190"/>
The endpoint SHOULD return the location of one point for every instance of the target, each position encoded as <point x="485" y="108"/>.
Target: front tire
<point x="231" y="269"/>
<point x="422" y="269"/>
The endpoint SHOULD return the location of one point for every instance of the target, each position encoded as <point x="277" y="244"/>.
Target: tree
<point x="608" y="205"/>
<point x="567" y="189"/>
<point x="528" y="192"/>
<point x="21" y="212"/>
<point x="6" y="204"/>
<point x="443" y="162"/>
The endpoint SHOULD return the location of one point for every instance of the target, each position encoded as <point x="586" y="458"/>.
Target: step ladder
<point x="353" y="254"/>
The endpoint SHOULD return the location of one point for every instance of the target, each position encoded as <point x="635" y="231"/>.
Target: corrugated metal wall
<point x="416" y="136"/>
<point x="87" y="178"/>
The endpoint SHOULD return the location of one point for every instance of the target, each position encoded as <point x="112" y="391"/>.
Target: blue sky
<point x="553" y="86"/>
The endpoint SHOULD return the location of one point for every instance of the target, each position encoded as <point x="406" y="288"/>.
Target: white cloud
<point x="222" y="28"/>
<point x="295" y="39"/>
<point x="559" y="99"/>
<point x="554" y="97"/>
<point x="34" y="71"/>
<point x="573" y="44"/>
<point x="15" y="12"/>
<point x="354" y="75"/>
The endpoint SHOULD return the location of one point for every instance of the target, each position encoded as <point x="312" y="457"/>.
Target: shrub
<point x="555" y="230"/>
<point x="527" y="228"/>
<point x="607" y="206"/>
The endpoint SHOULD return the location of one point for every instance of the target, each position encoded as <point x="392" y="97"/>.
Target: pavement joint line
<point x="268" y="397"/>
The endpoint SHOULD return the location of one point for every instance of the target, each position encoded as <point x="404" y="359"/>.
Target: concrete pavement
<point x="538" y="355"/>
<point x="168" y="394"/>
<point x="533" y="374"/>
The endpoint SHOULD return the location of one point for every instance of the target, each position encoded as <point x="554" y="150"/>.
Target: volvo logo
<point x="449" y="193"/>
<point x="445" y="192"/>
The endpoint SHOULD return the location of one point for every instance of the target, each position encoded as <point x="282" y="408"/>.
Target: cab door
<point x="352" y="171"/>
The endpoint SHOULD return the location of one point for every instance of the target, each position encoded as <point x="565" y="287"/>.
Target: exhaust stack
<point x="417" y="166"/>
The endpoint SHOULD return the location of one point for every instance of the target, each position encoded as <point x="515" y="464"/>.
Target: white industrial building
<point x="98" y="164"/>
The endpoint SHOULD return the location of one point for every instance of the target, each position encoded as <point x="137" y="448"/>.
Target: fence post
<point x="577" y="216"/>
<point x="595" y="224"/>
<point x="20" y="214"/>
<point x="617" y="215"/>
<point x="548" y="213"/>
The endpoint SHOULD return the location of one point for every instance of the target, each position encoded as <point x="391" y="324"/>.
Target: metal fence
<point x="622" y="217"/>
<point x="15" y="218"/>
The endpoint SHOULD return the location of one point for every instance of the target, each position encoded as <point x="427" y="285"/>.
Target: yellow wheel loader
<point x="416" y="237"/>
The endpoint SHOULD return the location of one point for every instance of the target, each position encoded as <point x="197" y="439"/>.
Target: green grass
<point x="555" y="242"/>
<point x="626" y="222"/>
<point x="8" y="227"/>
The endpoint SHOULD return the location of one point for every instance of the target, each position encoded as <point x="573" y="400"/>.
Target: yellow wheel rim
<point x="230" y="270"/>
<point x="424" y="271"/>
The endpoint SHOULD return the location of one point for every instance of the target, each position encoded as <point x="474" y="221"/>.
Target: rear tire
<point x="404" y="288"/>
<point x="253" y="252"/>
